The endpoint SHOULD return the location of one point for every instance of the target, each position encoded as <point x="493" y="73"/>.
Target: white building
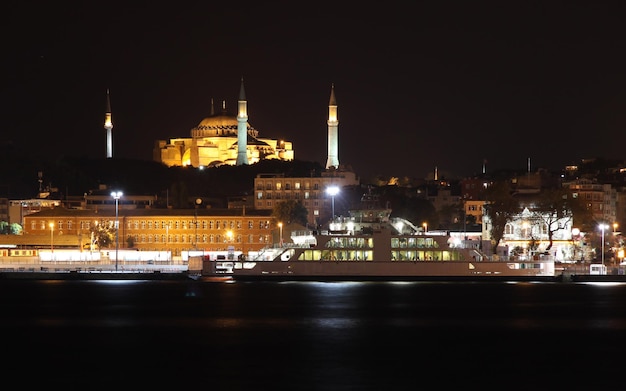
<point x="527" y="235"/>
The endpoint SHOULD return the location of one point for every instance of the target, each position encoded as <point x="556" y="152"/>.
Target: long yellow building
<point x="174" y="230"/>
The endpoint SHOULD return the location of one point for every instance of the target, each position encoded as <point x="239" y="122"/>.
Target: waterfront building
<point x="270" y="189"/>
<point x="526" y="234"/>
<point x="599" y="198"/>
<point x="175" y="230"/>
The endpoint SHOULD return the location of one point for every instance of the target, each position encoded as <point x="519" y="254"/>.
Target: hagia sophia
<point x="226" y="139"/>
<point x="222" y="138"/>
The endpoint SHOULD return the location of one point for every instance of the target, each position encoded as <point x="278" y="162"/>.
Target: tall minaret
<point x="108" y="125"/>
<point x="242" y="128"/>
<point x="333" y="142"/>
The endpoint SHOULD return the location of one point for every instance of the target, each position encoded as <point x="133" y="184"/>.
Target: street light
<point x="195" y="222"/>
<point x="425" y="225"/>
<point x="280" y="230"/>
<point x="575" y="238"/>
<point x="602" y="228"/>
<point x="332" y="191"/>
<point x="51" y="241"/>
<point x="167" y="240"/>
<point x="230" y="248"/>
<point x="116" y="196"/>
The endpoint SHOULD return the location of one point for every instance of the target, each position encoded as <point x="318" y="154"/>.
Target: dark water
<point x="317" y="336"/>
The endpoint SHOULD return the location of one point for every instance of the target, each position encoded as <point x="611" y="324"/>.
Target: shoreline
<point x="95" y="275"/>
<point x="185" y="275"/>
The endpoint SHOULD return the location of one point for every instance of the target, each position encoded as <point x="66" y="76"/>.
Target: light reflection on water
<point x="332" y="335"/>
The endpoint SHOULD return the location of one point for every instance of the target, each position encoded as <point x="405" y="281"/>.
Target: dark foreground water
<point x="317" y="336"/>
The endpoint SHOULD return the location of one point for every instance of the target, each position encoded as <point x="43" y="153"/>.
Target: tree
<point x="581" y="213"/>
<point x="290" y="211"/>
<point x="103" y="234"/>
<point x="553" y="207"/>
<point x="405" y="204"/>
<point x="179" y="195"/>
<point x="10" y="229"/>
<point x="500" y="207"/>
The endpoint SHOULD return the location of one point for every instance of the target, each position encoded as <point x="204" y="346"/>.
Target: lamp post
<point x="603" y="227"/>
<point x="116" y="196"/>
<point x="230" y="248"/>
<point x="615" y="242"/>
<point x="51" y="241"/>
<point x="167" y="240"/>
<point x="425" y="225"/>
<point x="280" y="230"/>
<point x="332" y="191"/>
<point x="195" y="223"/>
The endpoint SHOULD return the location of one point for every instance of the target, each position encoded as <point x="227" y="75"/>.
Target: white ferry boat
<point x="370" y="245"/>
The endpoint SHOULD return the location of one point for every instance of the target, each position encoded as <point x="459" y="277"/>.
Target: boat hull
<point x="392" y="270"/>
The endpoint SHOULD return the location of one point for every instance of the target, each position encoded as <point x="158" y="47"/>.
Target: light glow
<point x="332" y="191"/>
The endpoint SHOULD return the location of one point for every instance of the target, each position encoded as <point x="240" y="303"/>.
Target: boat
<point x="369" y="244"/>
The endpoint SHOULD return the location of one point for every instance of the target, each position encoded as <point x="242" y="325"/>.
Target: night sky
<point x="441" y="84"/>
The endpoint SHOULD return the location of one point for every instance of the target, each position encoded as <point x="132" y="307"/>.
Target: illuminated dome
<point x="219" y="125"/>
<point x="219" y="120"/>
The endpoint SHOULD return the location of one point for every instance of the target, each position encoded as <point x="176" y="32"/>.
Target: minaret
<point x="333" y="142"/>
<point x="242" y="128"/>
<point x="108" y="125"/>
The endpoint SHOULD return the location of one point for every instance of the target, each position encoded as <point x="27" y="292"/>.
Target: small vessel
<point x="371" y="245"/>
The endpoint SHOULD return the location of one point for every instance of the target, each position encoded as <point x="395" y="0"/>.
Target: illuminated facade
<point x="220" y="139"/>
<point x="270" y="189"/>
<point x="174" y="230"/>
<point x="599" y="198"/>
<point x="526" y="235"/>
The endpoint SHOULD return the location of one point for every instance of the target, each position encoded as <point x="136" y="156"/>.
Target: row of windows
<point x="287" y="196"/>
<point x="56" y="225"/>
<point x="269" y="205"/>
<point x="260" y="185"/>
<point x="210" y="239"/>
<point x="434" y="255"/>
<point x="155" y="224"/>
<point x="192" y="224"/>
<point x="367" y="255"/>
<point x="526" y="231"/>
<point x="474" y="208"/>
<point x="409" y="242"/>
